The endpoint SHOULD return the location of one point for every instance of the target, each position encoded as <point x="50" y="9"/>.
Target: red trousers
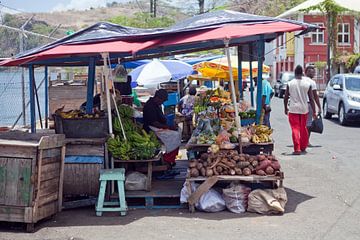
<point x="171" y="156"/>
<point x="299" y="131"/>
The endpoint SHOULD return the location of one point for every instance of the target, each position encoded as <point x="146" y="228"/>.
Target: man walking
<point x="310" y="73"/>
<point x="298" y="91"/>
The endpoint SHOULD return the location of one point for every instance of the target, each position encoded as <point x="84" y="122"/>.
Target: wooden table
<point x="209" y="182"/>
<point x="149" y="167"/>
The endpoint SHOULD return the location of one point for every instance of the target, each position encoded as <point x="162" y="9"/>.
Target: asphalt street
<point x="323" y="201"/>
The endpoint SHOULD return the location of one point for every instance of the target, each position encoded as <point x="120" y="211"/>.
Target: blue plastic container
<point x="170" y="119"/>
<point x="173" y="99"/>
<point x="247" y="121"/>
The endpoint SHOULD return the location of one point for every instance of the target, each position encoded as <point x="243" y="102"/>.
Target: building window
<point x="318" y="35"/>
<point x="343" y="33"/>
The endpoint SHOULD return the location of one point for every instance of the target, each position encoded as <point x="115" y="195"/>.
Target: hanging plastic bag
<point x="236" y="198"/>
<point x="317" y="125"/>
<point x="267" y="201"/>
<point x="135" y="181"/>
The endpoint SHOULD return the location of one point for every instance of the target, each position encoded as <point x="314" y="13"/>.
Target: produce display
<point x="230" y="162"/>
<point x="72" y="114"/>
<point x="248" y="114"/>
<point x="139" y="144"/>
<point x="256" y="134"/>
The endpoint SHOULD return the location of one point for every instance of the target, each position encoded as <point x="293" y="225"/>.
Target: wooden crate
<point x="83" y="178"/>
<point x="31" y="176"/>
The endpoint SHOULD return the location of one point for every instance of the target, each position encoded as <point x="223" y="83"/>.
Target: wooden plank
<point x="12" y="178"/>
<point x="203" y="188"/>
<point x="52" y="141"/>
<point x="18" y="152"/>
<point x="52" y="152"/>
<point x="61" y="180"/>
<point x="46" y="211"/>
<point x="50" y="167"/>
<point x="84" y="150"/>
<point x="12" y="213"/>
<point x="38" y="182"/>
<point x="50" y="175"/>
<point x="51" y="160"/>
<point x="50" y="183"/>
<point x="85" y="141"/>
<point x="46" y="199"/>
<point x="3" y="162"/>
<point x="24" y="182"/>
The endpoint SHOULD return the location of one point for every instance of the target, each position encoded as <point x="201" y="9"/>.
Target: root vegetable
<point x="243" y="164"/>
<point x="275" y="165"/>
<point x="263" y="165"/>
<point x="261" y="172"/>
<point x="215" y="172"/>
<point x="251" y="168"/>
<point x="269" y="170"/>
<point x="209" y="172"/>
<point x="246" y="171"/>
<point x="203" y="172"/>
<point x="242" y="159"/>
<point x="219" y="169"/>
<point x="199" y="166"/>
<point x="236" y="158"/>
<point x="204" y="156"/>
<point x="254" y="163"/>
<point x="205" y="164"/>
<point x="232" y="172"/>
<point x="261" y="157"/>
<point x="194" y="172"/>
<point x="192" y="164"/>
<point x="238" y="171"/>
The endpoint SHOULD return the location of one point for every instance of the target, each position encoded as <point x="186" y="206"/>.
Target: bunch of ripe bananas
<point x="262" y="134"/>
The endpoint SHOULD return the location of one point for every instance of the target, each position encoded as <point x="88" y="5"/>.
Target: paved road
<point x="322" y="186"/>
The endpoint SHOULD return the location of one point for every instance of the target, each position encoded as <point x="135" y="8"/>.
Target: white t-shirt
<point x="312" y="84"/>
<point x="298" y="91"/>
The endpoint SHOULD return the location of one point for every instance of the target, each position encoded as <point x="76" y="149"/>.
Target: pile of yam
<point x="230" y="162"/>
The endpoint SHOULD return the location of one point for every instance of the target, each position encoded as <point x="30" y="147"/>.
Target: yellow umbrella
<point x="218" y="68"/>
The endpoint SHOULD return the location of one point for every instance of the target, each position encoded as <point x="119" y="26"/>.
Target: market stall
<point x="201" y="32"/>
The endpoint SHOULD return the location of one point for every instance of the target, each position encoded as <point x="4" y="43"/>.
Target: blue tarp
<point x="84" y="159"/>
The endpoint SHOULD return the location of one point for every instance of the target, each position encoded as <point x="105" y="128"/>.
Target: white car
<point x="342" y="97"/>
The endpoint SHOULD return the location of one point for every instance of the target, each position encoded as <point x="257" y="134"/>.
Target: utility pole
<point x="153" y="8"/>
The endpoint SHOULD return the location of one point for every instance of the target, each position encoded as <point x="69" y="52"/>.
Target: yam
<point x="269" y="170"/>
<point x="243" y="164"/>
<point x="232" y="172"/>
<point x="215" y="172"/>
<point x="261" y="172"/>
<point x="275" y="165"/>
<point x="236" y="158"/>
<point x="233" y="162"/>
<point x="199" y="166"/>
<point x="246" y="171"/>
<point x="219" y="169"/>
<point x="261" y="157"/>
<point x="209" y="172"/>
<point x="254" y="163"/>
<point x="192" y="163"/>
<point x="242" y="159"/>
<point x="203" y="172"/>
<point x="194" y="172"/>
<point x="251" y="168"/>
<point x="238" y="171"/>
<point x="263" y="165"/>
<point x="270" y="157"/>
<point x="205" y="164"/>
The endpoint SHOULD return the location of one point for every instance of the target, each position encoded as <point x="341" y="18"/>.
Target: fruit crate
<point x="82" y="127"/>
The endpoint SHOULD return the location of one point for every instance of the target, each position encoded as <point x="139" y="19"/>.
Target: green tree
<point x="143" y="20"/>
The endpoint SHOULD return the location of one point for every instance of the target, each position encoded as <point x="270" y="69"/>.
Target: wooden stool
<point x="111" y="175"/>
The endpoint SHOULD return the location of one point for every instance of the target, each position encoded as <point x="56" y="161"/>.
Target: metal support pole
<point x="260" y="48"/>
<point x="237" y="117"/>
<point x="46" y="97"/>
<point x="32" y="98"/>
<point x="90" y="86"/>
<point x="251" y="75"/>
<point x="21" y="38"/>
<point x="328" y="60"/>
<point x="240" y="82"/>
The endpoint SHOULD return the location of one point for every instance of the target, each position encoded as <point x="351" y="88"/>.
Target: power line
<point x="11" y="8"/>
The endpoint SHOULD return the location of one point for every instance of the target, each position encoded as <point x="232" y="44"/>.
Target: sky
<point x="52" y="5"/>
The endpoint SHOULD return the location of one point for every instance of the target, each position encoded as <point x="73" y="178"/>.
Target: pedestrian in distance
<point x="297" y="94"/>
<point x="310" y="73"/>
<point x="266" y="96"/>
<point x="357" y="68"/>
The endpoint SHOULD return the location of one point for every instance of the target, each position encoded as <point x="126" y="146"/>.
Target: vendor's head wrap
<point x="162" y="94"/>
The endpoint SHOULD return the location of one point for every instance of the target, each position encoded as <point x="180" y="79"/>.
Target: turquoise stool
<point x="111" y="175"/>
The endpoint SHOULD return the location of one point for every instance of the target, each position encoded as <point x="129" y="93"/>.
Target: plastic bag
<point x="135" y="181"/>
<point x="211" y="201"/>
<point x="236" y="198"/>
<point x="267" y="201"/>
<point x="317" y="125"/>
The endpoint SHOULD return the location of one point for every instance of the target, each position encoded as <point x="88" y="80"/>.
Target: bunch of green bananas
<point x="119" y="148"/>
<point x="143" y="145"/>
<point x="125" y="111"/>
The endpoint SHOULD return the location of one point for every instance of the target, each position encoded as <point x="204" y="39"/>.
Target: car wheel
<point x="342" y="114"/>
<point x="327" y="115"/>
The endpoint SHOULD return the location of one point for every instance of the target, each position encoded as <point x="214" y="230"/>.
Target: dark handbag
<point x="317" y="125"/>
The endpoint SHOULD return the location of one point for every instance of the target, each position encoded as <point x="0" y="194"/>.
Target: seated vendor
<point x="155" y="120"/>
<point x="186" y="108"/>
